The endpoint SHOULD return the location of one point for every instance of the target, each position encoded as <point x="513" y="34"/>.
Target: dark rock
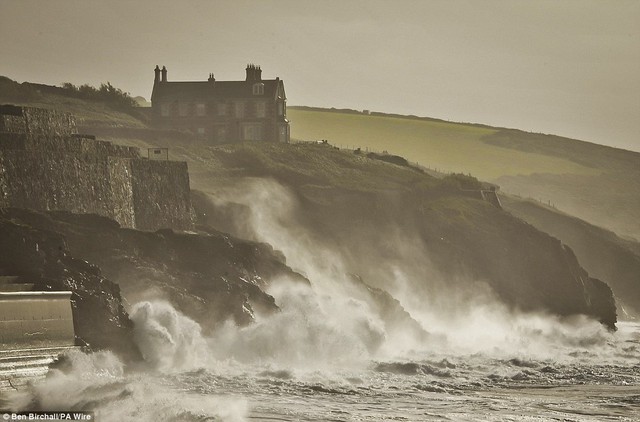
<point x="211" y="277"/>
<point x="40" y="256"/>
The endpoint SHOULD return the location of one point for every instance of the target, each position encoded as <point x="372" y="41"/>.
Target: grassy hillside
<point x="597" y="183"/>
<point x="450" y="147"/>
<point x="87" y="112"/>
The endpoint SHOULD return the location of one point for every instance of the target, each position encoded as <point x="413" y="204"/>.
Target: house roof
<point x="208" y="90"/>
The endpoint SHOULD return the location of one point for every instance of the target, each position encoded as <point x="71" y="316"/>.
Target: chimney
<point x="211" y="78"/>
<point x="156" y="79"/>
<point x="164" y="74"/>
<point x="253" y="73"/>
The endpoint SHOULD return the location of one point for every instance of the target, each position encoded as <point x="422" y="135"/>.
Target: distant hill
<point x="142" y="102"/>
<point x="597" y="183"/>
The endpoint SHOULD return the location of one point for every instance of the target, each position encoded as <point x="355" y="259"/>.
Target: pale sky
<point x="569" y="68"/>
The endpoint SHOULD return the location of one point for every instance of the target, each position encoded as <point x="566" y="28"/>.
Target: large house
<point x="223" y="111"/>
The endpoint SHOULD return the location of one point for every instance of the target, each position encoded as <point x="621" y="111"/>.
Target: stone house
<point x="223" y="111"/>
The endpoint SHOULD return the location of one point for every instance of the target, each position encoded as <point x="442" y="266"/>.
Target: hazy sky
<point x="565" y="67"/>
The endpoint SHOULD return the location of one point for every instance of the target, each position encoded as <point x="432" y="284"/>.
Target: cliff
<point x="371" y="211"/>
<point x="46" y="165"/>
<point x="528" y="268"/>
<point x="601" y="252"/>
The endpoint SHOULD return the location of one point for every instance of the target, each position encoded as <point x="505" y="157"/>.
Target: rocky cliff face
<point x="210" y="277"/>
<point x="601" y="252"/>
<point x="526" y="267"/>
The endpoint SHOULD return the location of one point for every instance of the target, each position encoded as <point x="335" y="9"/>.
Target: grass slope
<point x="596" y="183"/>
<point x="449" y="147"/>
<point x="88" y="113"/>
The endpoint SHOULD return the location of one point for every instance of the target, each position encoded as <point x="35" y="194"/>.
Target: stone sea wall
<point x="46" y="165"/>
<point x="36" y="122"/>
<point x="160" y="194"/>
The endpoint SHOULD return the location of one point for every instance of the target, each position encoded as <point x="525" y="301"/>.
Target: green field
<point x="447" y="147"/>
<point x="596" y="183"/>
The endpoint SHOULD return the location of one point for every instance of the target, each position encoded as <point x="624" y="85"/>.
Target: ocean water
<point x="589" y="380"/>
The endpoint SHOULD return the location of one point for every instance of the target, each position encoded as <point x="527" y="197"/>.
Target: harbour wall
<point x="46" y="165"/>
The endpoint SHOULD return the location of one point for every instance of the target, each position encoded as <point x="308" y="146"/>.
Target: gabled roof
<point x="208" y="90"/>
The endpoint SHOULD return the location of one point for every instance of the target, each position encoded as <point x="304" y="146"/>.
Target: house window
<point x="221" y="134"/>
<point x="258" y="89"/>
<point x="183" y="109"/>
<point x="200" y="109"/>
<point x="261" y="109"/>
<point x="239" y="106"/>
<point x="280" y="109"/>
<point x="252" y="132"/>
<point x="222" y="109"/>
<point x="200" y="131"/>
<point x="165" y="109"/>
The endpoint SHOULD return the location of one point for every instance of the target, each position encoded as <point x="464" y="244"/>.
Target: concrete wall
<point x="36" y="319"/>
<point x="60" y="170"/>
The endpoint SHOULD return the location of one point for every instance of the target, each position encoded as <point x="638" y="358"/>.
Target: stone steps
<point x="18" y="367"/>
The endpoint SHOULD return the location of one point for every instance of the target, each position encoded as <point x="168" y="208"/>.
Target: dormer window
<point x="258" y="89"/>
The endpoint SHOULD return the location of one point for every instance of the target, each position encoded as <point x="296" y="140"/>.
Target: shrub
<point x="107" y="93"/>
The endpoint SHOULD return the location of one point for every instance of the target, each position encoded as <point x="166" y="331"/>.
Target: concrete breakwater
<point x="36" y="318"/>
<point x="35" y="328"/>
<point x="46" y="165"/>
